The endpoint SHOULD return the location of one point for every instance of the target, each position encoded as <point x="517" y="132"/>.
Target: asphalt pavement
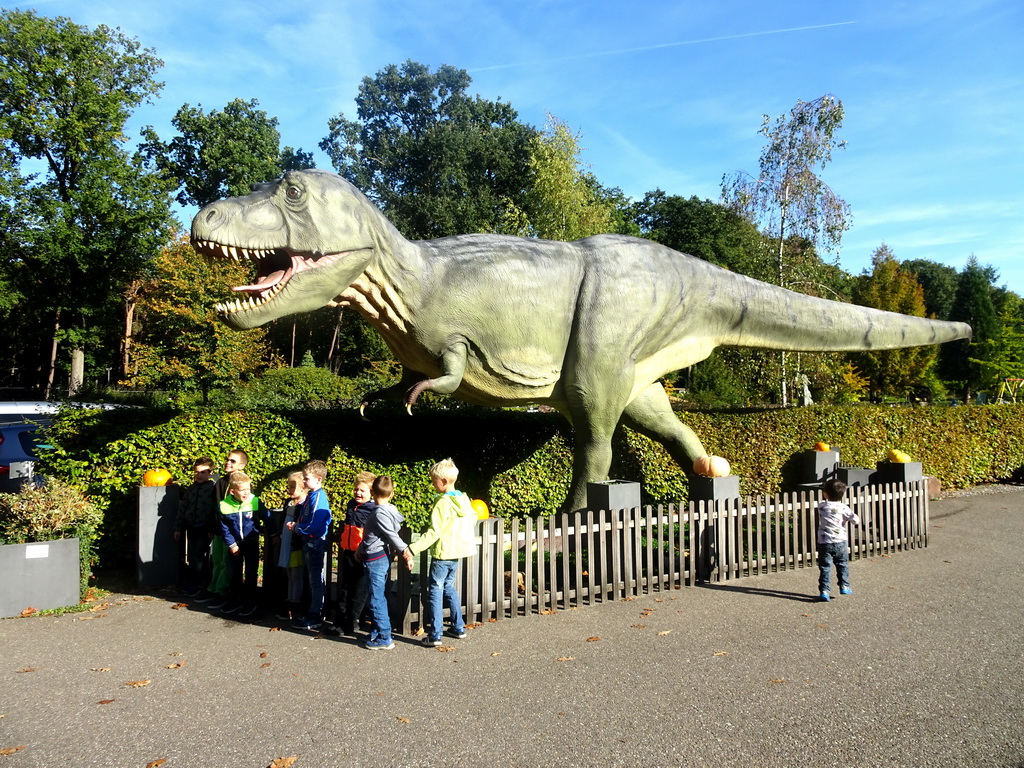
<point x="923" y="665"/>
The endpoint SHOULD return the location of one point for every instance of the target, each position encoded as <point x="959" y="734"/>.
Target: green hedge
<point x="520" y="463"/>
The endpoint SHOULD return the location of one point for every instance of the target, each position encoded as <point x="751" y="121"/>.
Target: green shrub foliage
<point x="519" y="463"/>
<point x="55" y="511"/>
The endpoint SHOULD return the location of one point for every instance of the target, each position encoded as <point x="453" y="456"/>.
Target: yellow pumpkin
<point x="711" y="466"/>
<point x="156" y="477"/>
<point x="820" y="446"/>
<point x="482" y="512"/>
<point x="898" y="457"/>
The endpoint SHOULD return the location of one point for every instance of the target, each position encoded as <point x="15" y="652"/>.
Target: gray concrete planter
<point x="42" y="575"/>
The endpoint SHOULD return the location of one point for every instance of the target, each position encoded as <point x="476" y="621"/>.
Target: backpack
<point x="351" y="537"/>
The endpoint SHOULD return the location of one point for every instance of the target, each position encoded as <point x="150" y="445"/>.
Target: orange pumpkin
<point x="156" y="477"/>
<point x="482" y="512"/>
<point x="711" y="466"/>
<point x="820" y="446"/>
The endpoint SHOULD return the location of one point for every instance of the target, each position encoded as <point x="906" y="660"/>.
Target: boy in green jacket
<point x="450" y="537"/>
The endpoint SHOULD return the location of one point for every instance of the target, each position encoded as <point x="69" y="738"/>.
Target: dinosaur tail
<point x="776" y="318"/>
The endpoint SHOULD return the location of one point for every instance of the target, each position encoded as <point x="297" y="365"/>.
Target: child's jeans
<point x="839" y="555"/>
<point x="244" y="569"/>
<point x="377" y="573"/>
<point x="442" y="591"/>
<point x="313" y="553"/>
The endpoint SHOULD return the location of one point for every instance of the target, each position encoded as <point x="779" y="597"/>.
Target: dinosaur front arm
<point x="453" y="365"/>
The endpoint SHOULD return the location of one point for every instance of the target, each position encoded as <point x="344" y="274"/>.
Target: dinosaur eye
<point x="293" y="193"/>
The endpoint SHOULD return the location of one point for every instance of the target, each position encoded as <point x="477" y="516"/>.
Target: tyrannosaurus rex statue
<point x="586" y="327"/>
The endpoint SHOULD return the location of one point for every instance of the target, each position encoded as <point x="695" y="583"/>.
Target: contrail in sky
<point x="659" y="46"/>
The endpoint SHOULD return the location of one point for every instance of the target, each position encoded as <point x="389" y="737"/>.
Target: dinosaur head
<point x="310" y="234"/>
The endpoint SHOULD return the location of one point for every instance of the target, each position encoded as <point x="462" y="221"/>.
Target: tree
<point x="436" y="160"/>
<point x="788" y="198"/>
<point x="86" y="213"/>
<point x="893" y="372"/>
<point x="964" y="361"/>
<point x="701" y="228"/>
<point x="939" y="283"/>
<point x="563" y="201"/>
<point x="181" y="345"/>
<point x="222" y="153"/>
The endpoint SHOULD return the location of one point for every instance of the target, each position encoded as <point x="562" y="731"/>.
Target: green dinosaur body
<point x="586" y="327"/>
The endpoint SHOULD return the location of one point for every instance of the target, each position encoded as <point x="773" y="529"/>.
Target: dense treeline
<point x="96" y="272"/>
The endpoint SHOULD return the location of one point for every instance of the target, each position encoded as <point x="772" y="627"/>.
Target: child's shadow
<point x="776" y="593"/>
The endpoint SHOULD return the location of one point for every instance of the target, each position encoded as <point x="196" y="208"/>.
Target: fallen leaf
<point x="665" y="632"/>
<point x="275" y="629"/>
<point x="546" y="612"/>
<point x="658" y="600"/>
<point x="561" y="714"/>
<point x="445" y="648"/>
<point x="474" y="625"/>
<point x="806" y="615"/>
<point x="492" y="620"/>
<point x="778" y="680"/>
<point x="156" y="763"/>
<point x="179" y="606"/>
<point x="137" y="683"/>
<point x="106" y="701"/>
<point x="264" y="665"/>
<point x="29" y="611"/>
<point x="283" y="762"/>
<point x="30" y="669"/>
<point x="566" y="658"/>
<point x="821" y="626"/>
<point x="178" y="665"/>
<point x="176" y="653"/>
<point x="11" y="750"/>
<point x="100" y="607"/>
<point x="86" y="618"/>
<point x="593" y="639"/>
<point x="496" y="653"/>
<point x="403" y="720"/>
<point x="382" y="693"/>
<point x="99" y="669"/>
<point x="628" y="599"/>
<point x="638" y="626"/>
<point x="720" y="653"/>
<point x="263" y="654"/>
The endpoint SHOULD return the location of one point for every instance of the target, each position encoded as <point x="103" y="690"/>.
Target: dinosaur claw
<point x="408" y="408"/>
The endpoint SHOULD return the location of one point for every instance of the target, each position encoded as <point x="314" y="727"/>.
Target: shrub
<point x="55" y="511"/>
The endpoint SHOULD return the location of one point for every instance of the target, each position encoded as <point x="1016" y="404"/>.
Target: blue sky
<point x="665" y="94"/>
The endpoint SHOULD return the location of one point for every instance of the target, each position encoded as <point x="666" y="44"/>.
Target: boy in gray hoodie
<point x="380" y="542"/>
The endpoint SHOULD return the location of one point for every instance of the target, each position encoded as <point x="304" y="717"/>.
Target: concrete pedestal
<point x="714" y="488"/>
<point x="613" y="494"/>
<point x="157" y="550"/>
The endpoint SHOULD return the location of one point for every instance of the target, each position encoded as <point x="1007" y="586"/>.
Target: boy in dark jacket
<point x="352" y="583"/>
<point x="192" y="523"/>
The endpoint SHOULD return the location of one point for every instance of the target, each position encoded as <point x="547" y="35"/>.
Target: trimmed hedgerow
<point x="520" y="463"/>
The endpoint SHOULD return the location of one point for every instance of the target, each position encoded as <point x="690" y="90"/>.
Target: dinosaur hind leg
<point x="651" y="414"/>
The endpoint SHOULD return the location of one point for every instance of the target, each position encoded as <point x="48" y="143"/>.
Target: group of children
<point x="220" y="522"/>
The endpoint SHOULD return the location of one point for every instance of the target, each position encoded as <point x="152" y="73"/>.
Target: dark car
<point x="20" y="443"/>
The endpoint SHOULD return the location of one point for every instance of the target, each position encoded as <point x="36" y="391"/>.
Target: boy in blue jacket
<point x="242" y="516"/>
<point x="312" y="526"/>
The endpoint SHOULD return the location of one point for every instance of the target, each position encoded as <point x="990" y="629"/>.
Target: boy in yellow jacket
<point x="450" y="537"/>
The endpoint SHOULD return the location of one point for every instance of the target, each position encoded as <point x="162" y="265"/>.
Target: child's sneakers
<point x="379" y="644"/>
<point x="825" y="597"/>
<point x="845" y="591"/>
<point x="457" y="634"/>
<point x="431" y="642"/>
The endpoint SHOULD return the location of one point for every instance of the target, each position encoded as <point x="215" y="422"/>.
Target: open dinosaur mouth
<point x="275" y="267"/>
